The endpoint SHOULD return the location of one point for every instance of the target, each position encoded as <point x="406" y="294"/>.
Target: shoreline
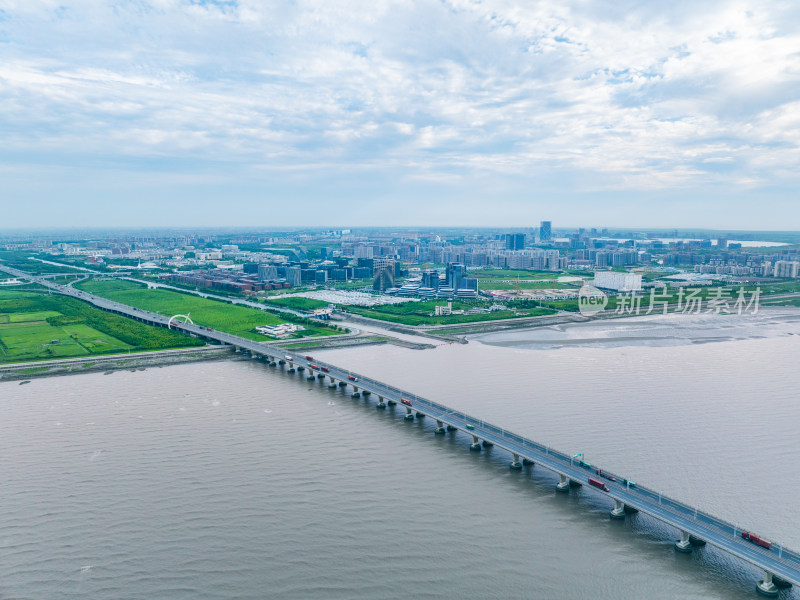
<point x="24" y="371"/>
<point x="114" y="362"/>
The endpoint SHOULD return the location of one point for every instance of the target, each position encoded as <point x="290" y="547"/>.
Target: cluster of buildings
<point x="452" y="282"/>
<point x="409" y="263"/>
<point x="256" y="277"/>
<point x="752" y="265"/>
<point x="228" y="280"/>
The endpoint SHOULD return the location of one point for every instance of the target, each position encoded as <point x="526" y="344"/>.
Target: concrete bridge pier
<point x="439" y="427"/>
<point x="291" y="368"/>
<point x="487" y="444"/>
<point x="301" y="368"/>
<point x="311" y="375"/>
<point x="366" y="393"/>
<point x="515" y="464"/>
<point x="563" y="484"/>
<point x="767" y="587"/>
<point x="409" y="414"/>
<point x="391" y="402"/>
<point x="420" y="415"/>
<point x="452" y="428"/>
<point x="332" y="384"/>
<point x="528" y="462"/>
<point x="684" y="544"/>
<point x="381" y="403"/>
<point x="320" y="376"/>
<point x="342" y="384"/>
<point x="618" y="512"/>
<point x="356" y="393"/>
<point x="476" y="444"/>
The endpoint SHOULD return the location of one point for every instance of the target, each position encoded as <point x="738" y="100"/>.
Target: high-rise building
<point x="293" y="276"/>
<point x="786" y="268"/>
<point x="455" y="274"/>
<point x="382" y="274"/>
<point x="363" y="252"/>
<point x="515" y="241"/>
<point x="430" y="279"/>
<point x="267" y="272"/>
<point x="546" y="231"/>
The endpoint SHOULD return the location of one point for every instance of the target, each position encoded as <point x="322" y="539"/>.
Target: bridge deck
<point x="778" y="560"/>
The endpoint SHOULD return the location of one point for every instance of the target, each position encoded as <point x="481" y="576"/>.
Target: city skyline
<point x="231" y="113"/>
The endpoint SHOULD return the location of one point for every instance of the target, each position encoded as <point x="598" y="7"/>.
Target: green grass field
<point x="104" y="286"/>
<point x="237" y="320"/>
<point x="40" y="326"/>
<point x="419" y="313"/>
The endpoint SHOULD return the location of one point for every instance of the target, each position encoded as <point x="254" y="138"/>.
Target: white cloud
<point x="634" y="96"/>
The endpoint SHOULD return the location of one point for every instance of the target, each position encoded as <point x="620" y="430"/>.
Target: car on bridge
<point x="314" y="366"/>
<point x="599" y="484"/>
<point x="326" y="369"/>
<point x="309" y="358"/>
<point x="758" y="541"/>
<point x="352" y="378"/>
<point x="405" y="401"/>
<point x="470" y="426"/>
<point x="606" y="475"/>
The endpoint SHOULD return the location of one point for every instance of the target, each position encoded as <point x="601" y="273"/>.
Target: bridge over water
<point x="781" y="565"/>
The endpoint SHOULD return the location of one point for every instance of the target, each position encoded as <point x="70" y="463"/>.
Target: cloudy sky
<point x="440" y="112"/>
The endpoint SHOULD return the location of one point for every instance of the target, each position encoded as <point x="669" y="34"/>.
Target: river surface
<point x="234" y="480"/>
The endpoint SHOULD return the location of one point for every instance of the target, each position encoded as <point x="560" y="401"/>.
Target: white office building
<point x="619" y="282"/>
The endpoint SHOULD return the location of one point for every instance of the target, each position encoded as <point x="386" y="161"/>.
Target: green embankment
<point x="230" y="318"/>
